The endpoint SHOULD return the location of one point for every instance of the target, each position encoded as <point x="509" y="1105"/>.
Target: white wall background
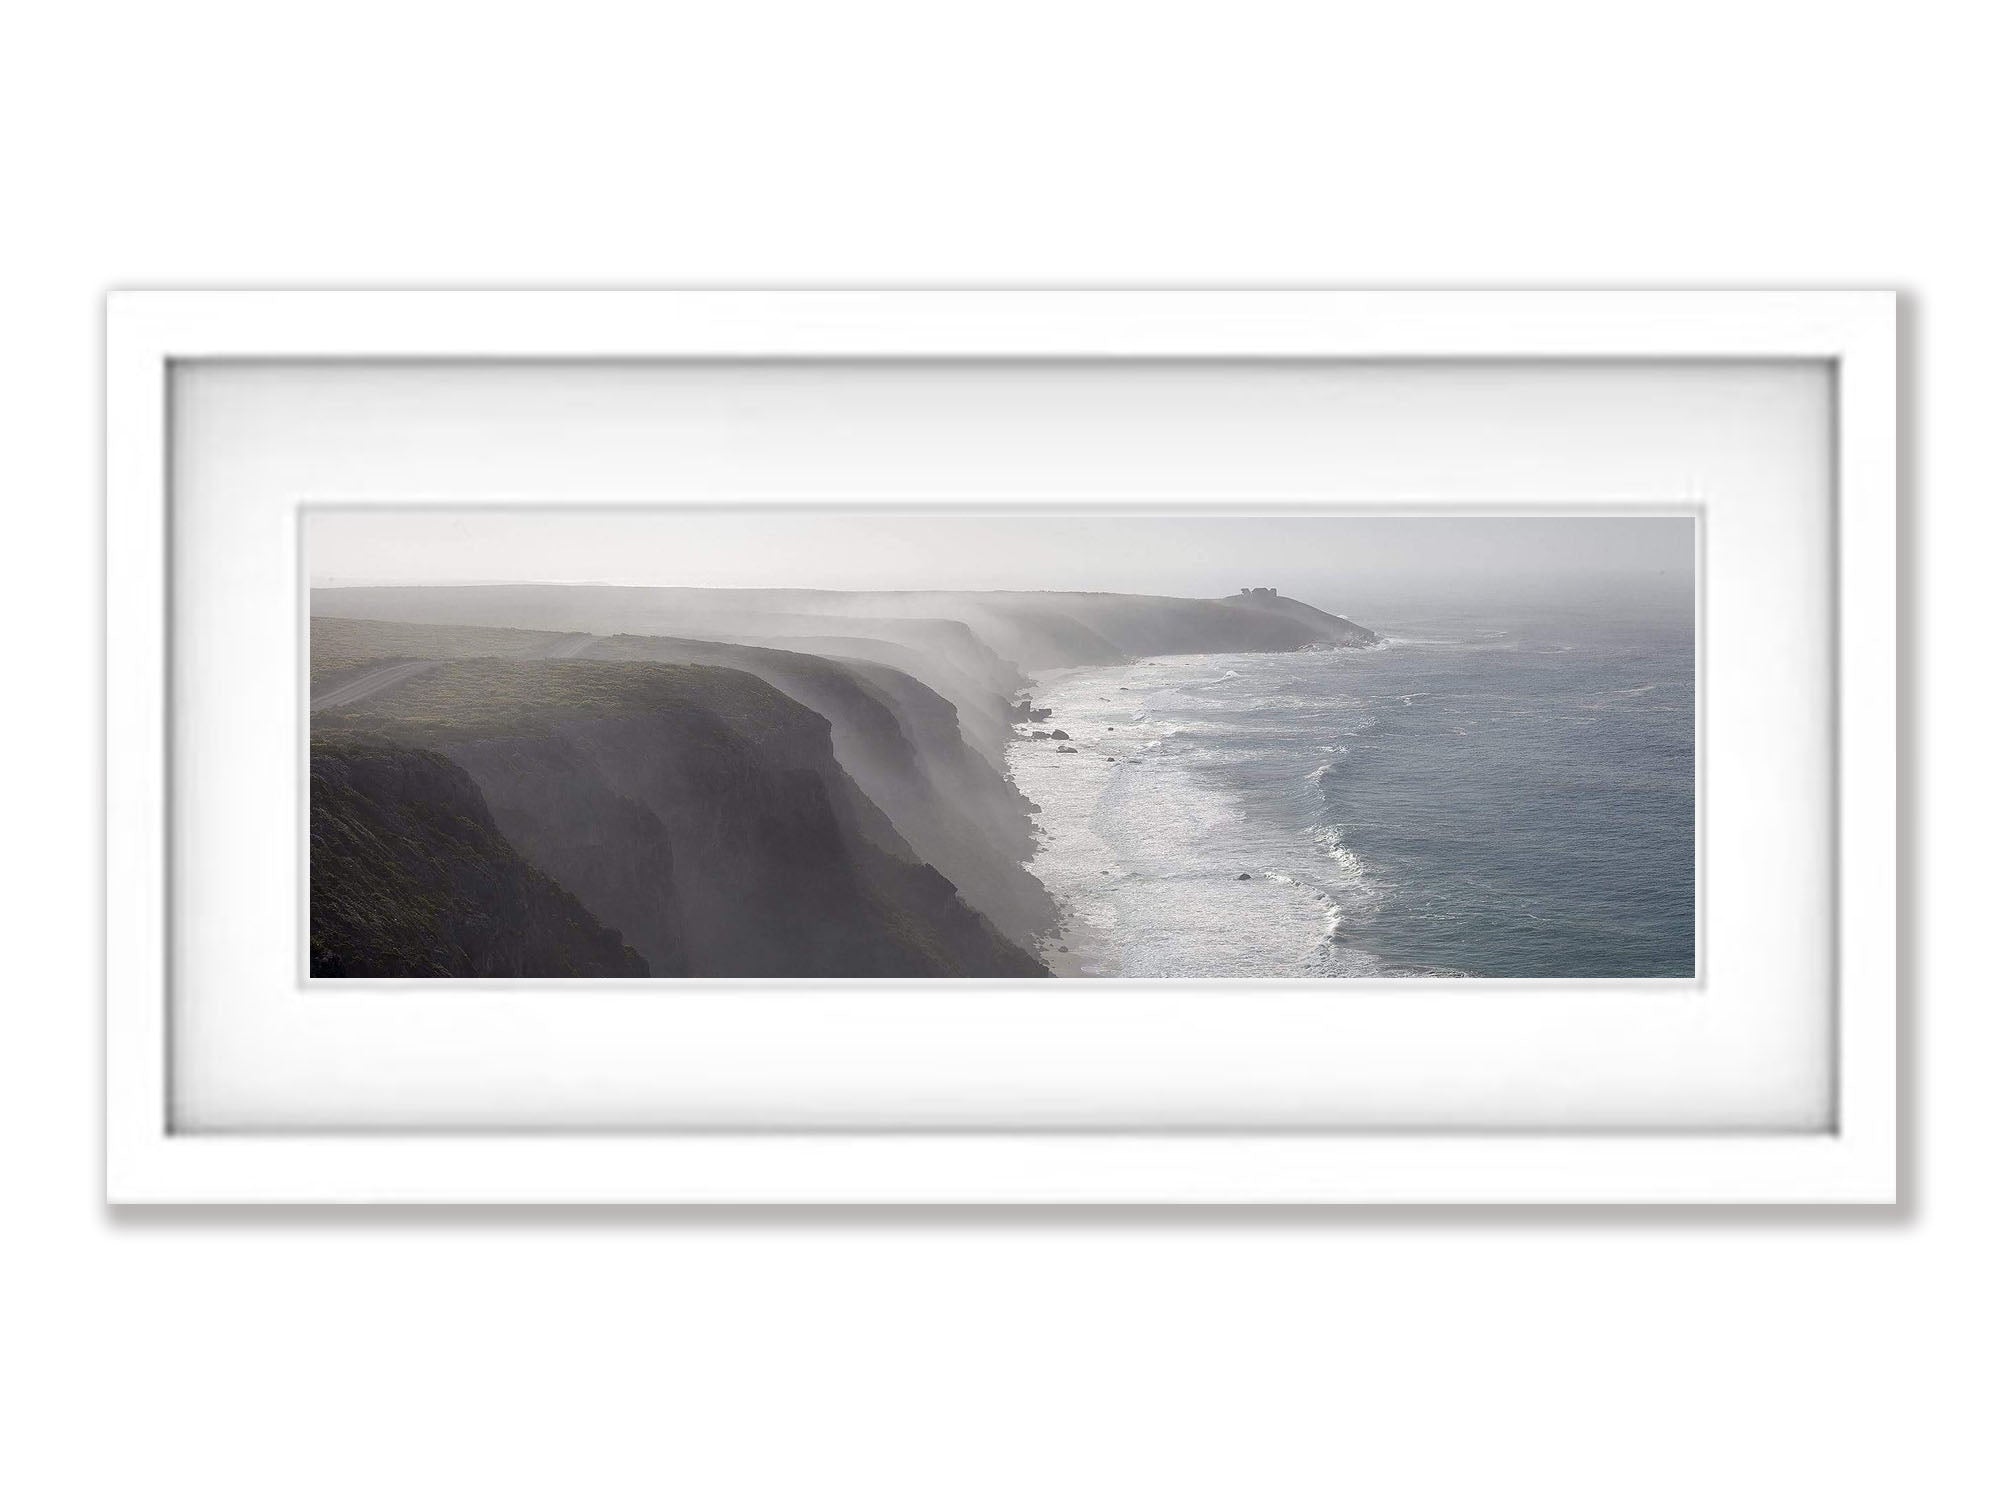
<point x="1007" y="1355"/>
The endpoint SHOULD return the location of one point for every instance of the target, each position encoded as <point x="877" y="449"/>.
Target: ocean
<point x="1497" y="793"/>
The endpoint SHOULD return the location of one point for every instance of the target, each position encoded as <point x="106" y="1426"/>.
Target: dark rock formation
<point x="901" y="743"/>
<point x="899" y="740"/>
<point x="411" y="878"/>
<point x="702" y="807"/>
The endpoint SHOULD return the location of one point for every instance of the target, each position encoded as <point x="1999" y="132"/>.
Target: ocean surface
<point x="1502" y="794"/>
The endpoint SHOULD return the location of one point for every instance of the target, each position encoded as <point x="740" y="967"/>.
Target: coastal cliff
<point x="411" y="877"/>
<point x="752" y="782"/>
<point x="696" y="809"/>
<point x="900" y="741"/>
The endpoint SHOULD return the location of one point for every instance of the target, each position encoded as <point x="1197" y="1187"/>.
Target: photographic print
<point x="686" y="742"/>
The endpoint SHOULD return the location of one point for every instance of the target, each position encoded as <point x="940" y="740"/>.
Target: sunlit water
<point x="1486" y="796"/>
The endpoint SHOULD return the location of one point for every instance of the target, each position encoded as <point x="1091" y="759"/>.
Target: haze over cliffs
<point x="547" y="780"/>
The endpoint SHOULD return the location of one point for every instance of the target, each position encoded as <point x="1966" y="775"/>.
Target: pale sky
<point x="1186" y="554"/>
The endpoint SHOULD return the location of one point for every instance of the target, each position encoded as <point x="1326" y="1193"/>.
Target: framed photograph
<point x="1009" y="747"/>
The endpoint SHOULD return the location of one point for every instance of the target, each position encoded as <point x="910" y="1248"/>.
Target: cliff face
<point x="698" y="808"/>
<point x="979" y="822"/>
<point x="610" y="851"/>
<point x="781" y="782"/>
<point x="1324" y="628"/>
<point x="901" y="742"/>
<point x="410" y="877"/>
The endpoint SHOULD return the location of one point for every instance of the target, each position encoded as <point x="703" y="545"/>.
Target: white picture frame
<point x="1852" y="1160"/>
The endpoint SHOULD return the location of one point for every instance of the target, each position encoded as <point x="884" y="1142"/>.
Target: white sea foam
<point x="1344" y="859"/>
<point x="1164" y="862"/>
